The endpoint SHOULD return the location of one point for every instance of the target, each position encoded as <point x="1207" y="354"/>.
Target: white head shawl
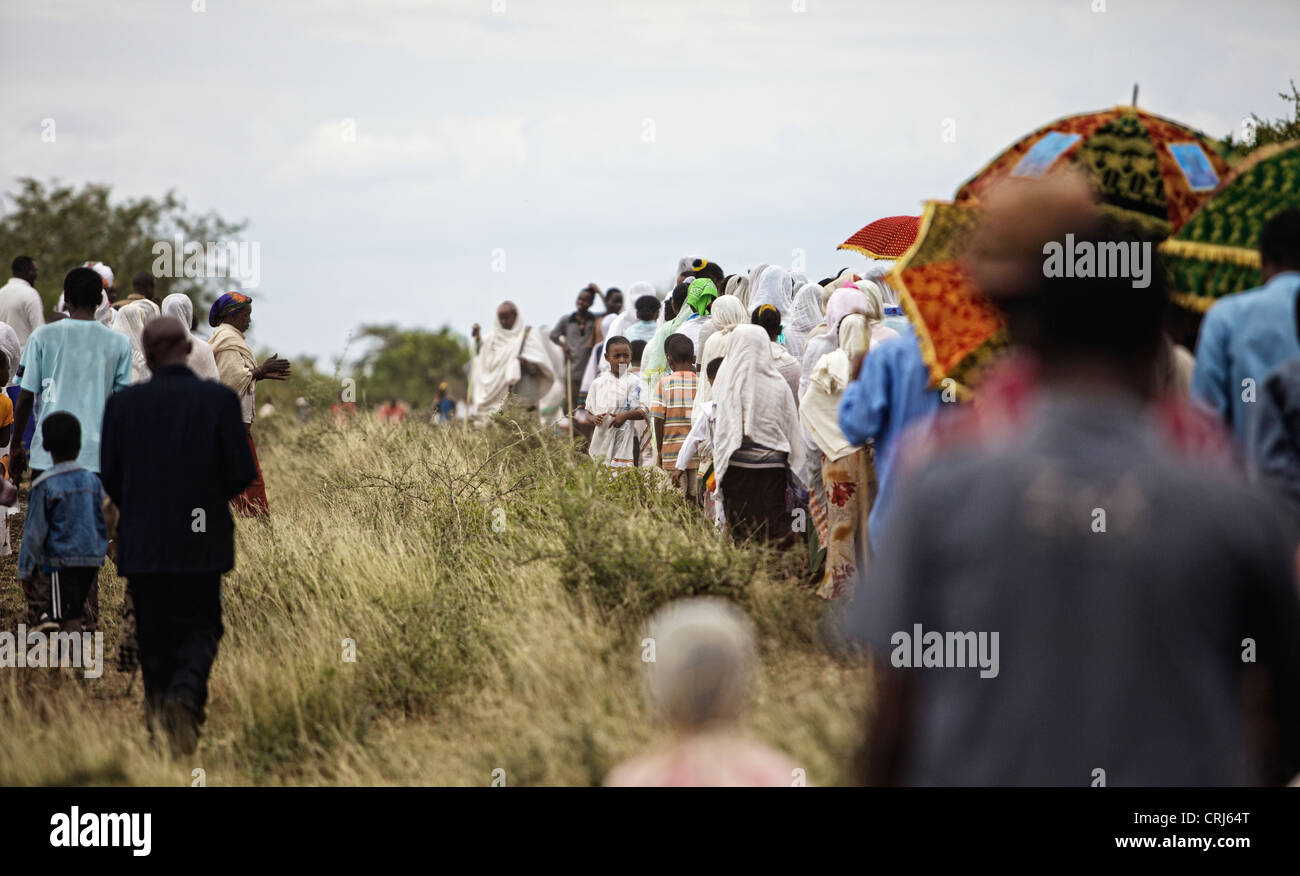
<point x="754" y="402"/>
<point x="738" y="285"/>
<point x="496" y="366"/>
<point x="684" y="265"/>
<point x="819" y="409"/>
<point x="727" y="313"/>
<point x="12" y="349"/>
<point x="628" y="317"/>
<point x="130" y="321"/>
<point x="104" y="312"/>
<point x="753" y="277"/>
<point x="774" y="288"/>
<point x="845" y="276"/>
<point x="804" y="317"/>
<point x="201" y="359"/>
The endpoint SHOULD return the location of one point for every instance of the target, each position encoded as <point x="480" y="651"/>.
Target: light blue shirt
<point x="890" y="394"/>
<point x="74" y="365"/>
<point x="1243" y="338"/>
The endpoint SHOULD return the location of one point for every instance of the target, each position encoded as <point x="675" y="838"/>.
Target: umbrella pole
<point x="568" y="391"/>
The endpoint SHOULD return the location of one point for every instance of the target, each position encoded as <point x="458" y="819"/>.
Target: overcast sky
<point x="571" y="142"/>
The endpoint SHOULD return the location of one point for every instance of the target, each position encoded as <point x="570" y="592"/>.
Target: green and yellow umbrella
<point x="1216" y="253"/>
<point x="1151" y="173"/>
<point x="1154" y="173"/>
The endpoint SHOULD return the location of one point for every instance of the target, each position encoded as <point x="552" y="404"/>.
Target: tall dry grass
<point x="494" y="584"/>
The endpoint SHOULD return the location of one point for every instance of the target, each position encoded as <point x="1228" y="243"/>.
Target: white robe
<point x="612" y="395"/>
<point x="496" y="368"/>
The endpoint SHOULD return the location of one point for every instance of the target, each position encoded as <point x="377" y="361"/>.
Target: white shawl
<point x="754" y="403"/>
<point x="738" y="286"/>
<point x="774" y="288"/>
<point x="728" y="312"/>
<point x="200" y="360"/>
<point x="104" y="312"/>
<point x="496" y="367"/>
<point x="130" y="321"/>
<point x="12" y="347"/>
<point x="819" y="407"/>
<point x="627" y="318"/>
<point x="805" y="316"/>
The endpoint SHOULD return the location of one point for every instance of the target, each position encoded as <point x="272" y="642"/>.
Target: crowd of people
<point x="138" y="437"/>
<point x="1121" y="515"/>
<point x="1114" y="520"/>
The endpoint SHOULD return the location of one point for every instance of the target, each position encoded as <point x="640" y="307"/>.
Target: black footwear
<point x="182" y="727"/>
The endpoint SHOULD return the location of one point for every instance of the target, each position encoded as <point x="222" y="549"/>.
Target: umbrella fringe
<point x="1211" y="252"/>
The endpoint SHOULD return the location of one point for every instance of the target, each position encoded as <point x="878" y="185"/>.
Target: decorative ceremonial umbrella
<point x="1217" y="252"/>
<point x="959" y="330"/>
<point x="1152" y="171"/>
<point x="886" y="238"/>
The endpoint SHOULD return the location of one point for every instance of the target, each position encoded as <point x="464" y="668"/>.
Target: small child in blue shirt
<point x="64" y="536"/>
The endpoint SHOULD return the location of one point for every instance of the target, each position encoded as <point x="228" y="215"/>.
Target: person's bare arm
<point x="18" y="456"/>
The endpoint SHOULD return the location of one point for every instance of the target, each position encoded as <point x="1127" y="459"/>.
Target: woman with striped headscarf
<point x="231" y="315"/>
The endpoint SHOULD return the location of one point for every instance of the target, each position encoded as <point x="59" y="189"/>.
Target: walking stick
<point x="568" y="391"/>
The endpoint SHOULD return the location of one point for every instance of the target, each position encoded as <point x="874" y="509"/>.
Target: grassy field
<point x="495" y="586"/>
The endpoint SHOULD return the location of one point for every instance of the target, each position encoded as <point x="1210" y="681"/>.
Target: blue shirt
<point x="889" y="395"/>
<point x="1243" y="338"/>
<point x="65" y="521"/>
<point x="74" y="365"/>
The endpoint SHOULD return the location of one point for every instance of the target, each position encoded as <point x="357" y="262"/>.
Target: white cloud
<point x="363" y="150"/>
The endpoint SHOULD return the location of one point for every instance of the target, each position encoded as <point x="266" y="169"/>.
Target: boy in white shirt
<point x="616" y="402"/>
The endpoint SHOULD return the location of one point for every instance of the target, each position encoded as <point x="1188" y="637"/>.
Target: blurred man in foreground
<point x="1075" y="603"/>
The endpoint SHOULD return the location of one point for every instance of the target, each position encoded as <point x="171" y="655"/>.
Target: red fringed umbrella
<point x="886" y="238"/>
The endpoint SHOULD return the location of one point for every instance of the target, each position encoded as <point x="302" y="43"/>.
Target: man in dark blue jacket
<point x="174" y="453"/>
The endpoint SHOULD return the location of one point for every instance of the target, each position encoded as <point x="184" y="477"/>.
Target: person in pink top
<point x="701" y="659"/>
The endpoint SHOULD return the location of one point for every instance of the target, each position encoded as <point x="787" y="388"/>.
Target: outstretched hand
<point x="275" y="368"/>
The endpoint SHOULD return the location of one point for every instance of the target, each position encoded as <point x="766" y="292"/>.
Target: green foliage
<point x="62" y="227"/>
<point x="1278" y="130"/>
<point x="409" y="364"/>
<point x="632" y="546"/>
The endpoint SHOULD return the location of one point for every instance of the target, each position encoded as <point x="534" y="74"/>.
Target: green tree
<point x="62" y="226"/>
<point x="1278" y="130"/>
<point x="410" y="363"/>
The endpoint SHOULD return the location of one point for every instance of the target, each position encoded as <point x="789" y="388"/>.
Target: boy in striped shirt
<point x="670" y="409"/>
